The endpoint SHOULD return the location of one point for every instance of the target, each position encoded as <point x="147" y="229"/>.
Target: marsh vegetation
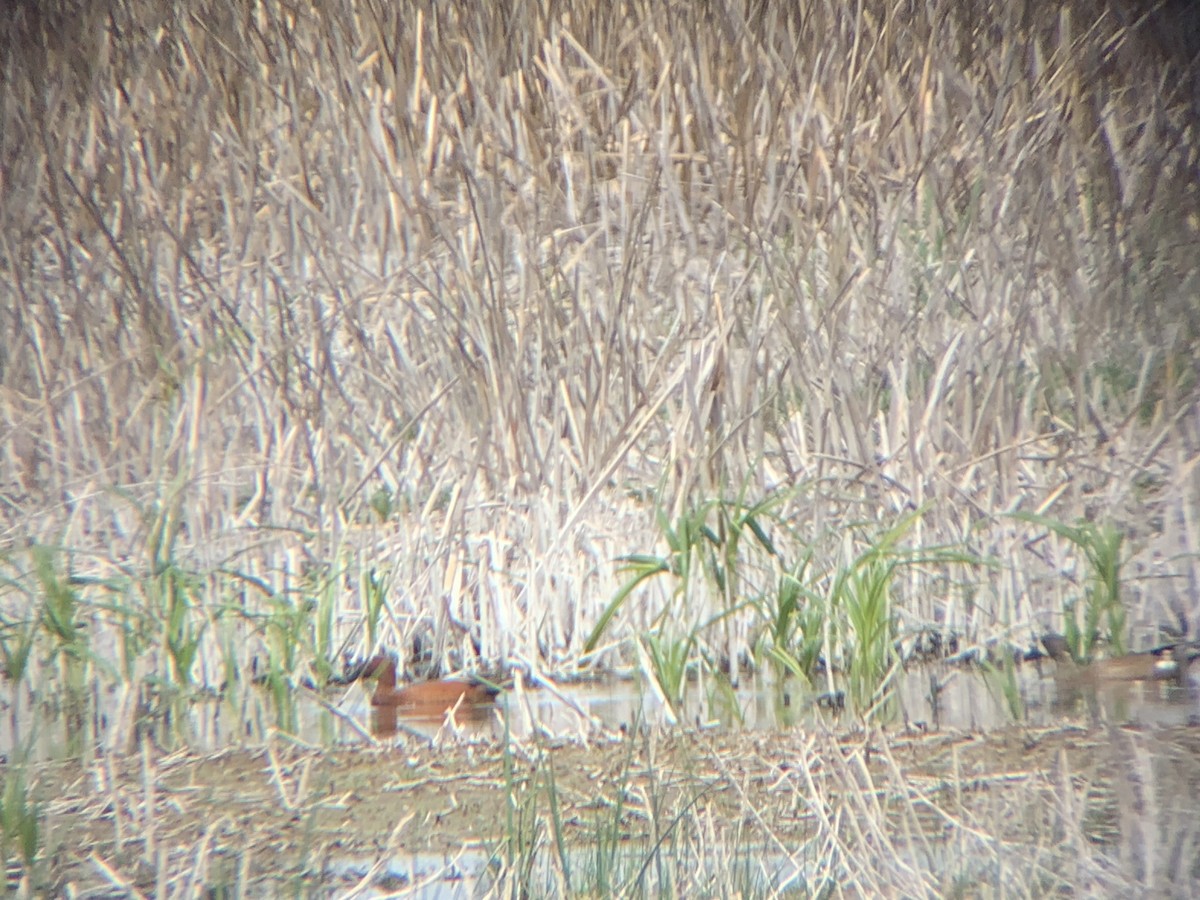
<point x="697" y="340"/>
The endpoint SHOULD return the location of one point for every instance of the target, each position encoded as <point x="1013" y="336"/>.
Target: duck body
<point x="1163" y="664"/>
<point x="441" y="695"/>
<point x="432" y="698"/>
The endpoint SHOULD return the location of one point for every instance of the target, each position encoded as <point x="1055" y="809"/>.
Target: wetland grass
<point x="378" y="360"/>
<point x="1101" y="617"/>
<point x="597" y="341"/>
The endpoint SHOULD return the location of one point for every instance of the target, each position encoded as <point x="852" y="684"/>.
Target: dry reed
<point x="510" y="273"/>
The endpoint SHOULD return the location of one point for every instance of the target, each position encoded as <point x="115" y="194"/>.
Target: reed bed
<point x="421" y="316"/>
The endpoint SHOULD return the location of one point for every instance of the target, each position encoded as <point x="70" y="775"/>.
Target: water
<point x="932" y="697"/>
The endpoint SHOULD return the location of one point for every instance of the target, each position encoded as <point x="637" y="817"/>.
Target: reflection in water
<point x="428" y="876"/>
<point x="1143" y="703"/>
<point x="936" y="697"/>
<point x="930" y="697"/>
<point x="427" y="720"/>
<point x="471" y="873"/>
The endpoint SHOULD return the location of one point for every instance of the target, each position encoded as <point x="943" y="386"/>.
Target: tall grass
<point x="448" y="291"/>
<point x="1101" y="614"/>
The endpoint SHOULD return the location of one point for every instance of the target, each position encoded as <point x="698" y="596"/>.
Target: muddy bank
<point x="260" y="820"/>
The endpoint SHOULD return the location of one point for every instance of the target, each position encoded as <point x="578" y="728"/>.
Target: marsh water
<point x="928" y="697"/>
